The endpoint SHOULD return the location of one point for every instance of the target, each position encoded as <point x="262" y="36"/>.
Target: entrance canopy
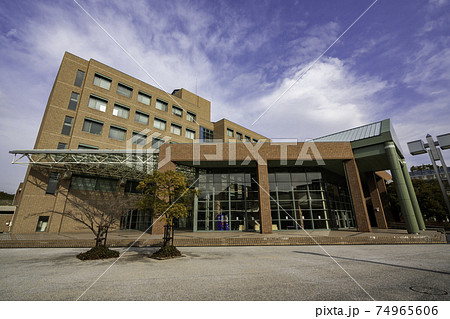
<point x="132" y="164"/>
<point x="368" y="144"/>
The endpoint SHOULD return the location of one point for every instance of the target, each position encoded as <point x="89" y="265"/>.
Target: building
<point x="427" y="174"/>
<point x="103" y="130"/>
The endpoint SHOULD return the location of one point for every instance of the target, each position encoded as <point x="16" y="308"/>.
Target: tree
<point x="429" y="196"/>
<point x="167" y="196"/>
<point x="98" y="211"/>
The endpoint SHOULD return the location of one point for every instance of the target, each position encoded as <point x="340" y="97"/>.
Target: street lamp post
<point x="419" y="147"/>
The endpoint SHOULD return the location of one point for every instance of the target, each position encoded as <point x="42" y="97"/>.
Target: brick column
<point x="264" y="200"/>
<point x="381" y="185"/>
<point x="376" y="201"/>
<point x="356" y="192"/>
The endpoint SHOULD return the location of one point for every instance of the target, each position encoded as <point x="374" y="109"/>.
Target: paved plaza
<point x="385" y="272"/>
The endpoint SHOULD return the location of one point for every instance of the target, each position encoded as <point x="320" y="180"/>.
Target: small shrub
<point x="166" y="252"/>
<point x="99" y="252"/>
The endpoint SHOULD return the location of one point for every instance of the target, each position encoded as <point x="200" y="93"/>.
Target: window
<point x="52" y="183"/>
<point x="130" y="187"/>
<point x="121" y="111"/>
<point x="161" y="105"/>
<point x="247" y="138"/>
<point x="87" y="147"/>
<point x="139" y="138"/>
<point x="157" y="142"/>
<point x="175" y="129"/>
<point x="73" y="101"/>
<point x="190" y="134"/>
<point x="92" y="126"/>
<point x="206" y="135"/>
<point x="42" y="224"/>
<point x="239" y="136"/>
<point x="102" y="81"/>
<point x="124" y="90"/>
<point x="91" y="183"/>
<point x="159" y="124"/>
<point x="230" y="132"/>
<point x="255" y="140"/>
<point x="79" y="78"/>
<point x="141" y="117"/>
<point x="67" y="126"/>
<point x="191" y="116"/>
<point x="62" y="146"/>
<point x="177" y="111"/>
<point x="117" y="133"/>
<point x="97" y="103"/>
<point x="144" y="98"/>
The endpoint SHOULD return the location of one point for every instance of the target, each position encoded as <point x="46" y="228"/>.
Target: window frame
<point x="190" y="115"/>
<point x="130" y="88"/>
<point x="176" y="126"/>
<point x="229" y="130"/>
<point x="142" y="114"/>
<point x="118" y="128"/>
<point x="140" y="93"/>
<point x="157" y="119"/>
<point x="174" y="107"/>
<point x="79" y="78"/>
<point x="97" y="99"/>
<point x="92" y="121"/>
<point x="166" y="104"/>
<point x="190" y="131"/>
<point x="138" y="142"/>
<point x="122" y="108"/>
<point x="73" y="104"/>
<point x="102" y="78"/>
<point x="67" y="125"/>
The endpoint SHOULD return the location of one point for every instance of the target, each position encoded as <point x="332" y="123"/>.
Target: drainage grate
<point x="429" y="290"/>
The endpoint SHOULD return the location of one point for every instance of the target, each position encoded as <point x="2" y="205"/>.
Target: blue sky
<point x="241" y="55"/>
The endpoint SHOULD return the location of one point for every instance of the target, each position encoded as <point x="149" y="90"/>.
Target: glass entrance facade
<point x="228" y="200"/>
<point x="309" y="199"/>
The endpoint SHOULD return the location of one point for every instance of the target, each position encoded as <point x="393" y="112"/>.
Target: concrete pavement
<point x="392" y="272"/>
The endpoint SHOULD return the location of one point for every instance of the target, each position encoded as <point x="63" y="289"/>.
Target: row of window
<point x="239" y="136"/>
<point x="119" y="133"/>
<point x="123" y="111"/>
<point x="124" y="90"/>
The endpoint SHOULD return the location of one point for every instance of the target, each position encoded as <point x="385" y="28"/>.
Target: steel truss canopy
<point x="129" y="164"/>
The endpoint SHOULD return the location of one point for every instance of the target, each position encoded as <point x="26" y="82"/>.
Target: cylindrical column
<point x="401" y="189"/>
<point x="412" y="195"/>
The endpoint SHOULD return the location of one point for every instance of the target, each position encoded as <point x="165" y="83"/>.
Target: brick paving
<point x="202" y="239"/>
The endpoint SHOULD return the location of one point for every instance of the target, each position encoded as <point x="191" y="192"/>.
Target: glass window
<point x="230" y="132"/>
<point x="139" y="138"/>
<point x="92" y="126"/>
<point x="190" y="134"/>
<point x="141" y="117"/>
<point x="161" y="105"/>
<point x="83" y="183"/>
<point x="87" y="147"/>
<point x="124" y="90"/>
<point x="159" y="124"/>
<point x="175" y="129"/>
<point x="52" y="183"/>
<point x="73" y="101"/>
<point x="190" y="116"/>
<point x="121" y="111"/>
<point x="102" y="81"/>
<point x="62" y="146"/>
<point x="117" y="133"/>
<point x="177" y="111"/>
<point x="255" y="140"/>
<point x="42" y="224"/>
<point x="239" y="136"/>
<point x="97" y="103"/>
<point x="157" y="142"/>
<point x="79" y="78"/>
<point x="206" y="135"/>
<point x="144" y="98"/>
<point x="247" y="138"/>
<point x="67" y="126"/>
